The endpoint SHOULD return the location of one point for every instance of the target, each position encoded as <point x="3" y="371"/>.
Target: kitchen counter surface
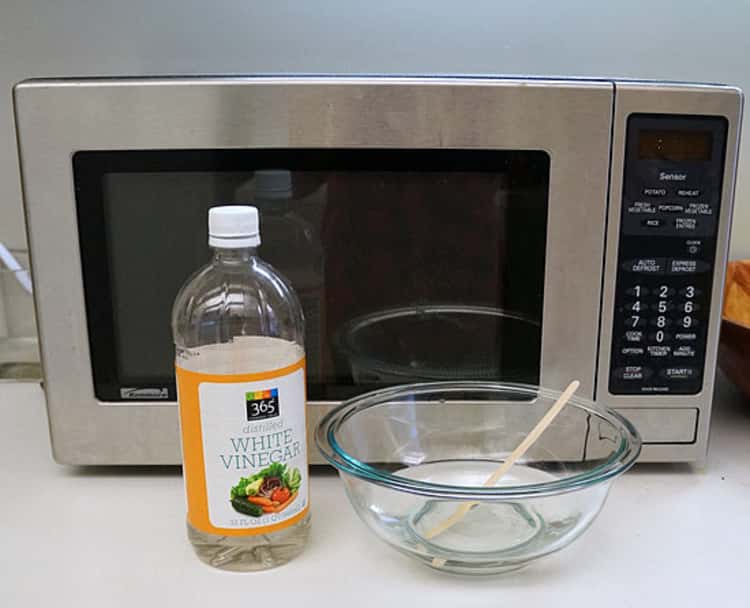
<point x="669" y="535"/>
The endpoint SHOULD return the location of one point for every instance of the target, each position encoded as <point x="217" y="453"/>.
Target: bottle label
<point x="244" y="449"/>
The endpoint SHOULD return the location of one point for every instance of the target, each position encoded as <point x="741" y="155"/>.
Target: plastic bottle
<point x="239" y="334"/>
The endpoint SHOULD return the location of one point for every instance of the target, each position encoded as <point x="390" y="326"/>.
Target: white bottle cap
<point x="233" y="227"/>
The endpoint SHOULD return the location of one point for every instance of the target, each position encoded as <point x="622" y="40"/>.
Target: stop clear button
<point x="633" y="372"/>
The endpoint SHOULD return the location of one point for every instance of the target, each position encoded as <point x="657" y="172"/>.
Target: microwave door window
<point x="156" y="236"/>
<point x="411" y="265"/>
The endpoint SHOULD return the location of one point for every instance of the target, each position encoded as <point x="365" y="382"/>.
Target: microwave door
<point x="411" y="265"/>
<point x="433" y="230"/>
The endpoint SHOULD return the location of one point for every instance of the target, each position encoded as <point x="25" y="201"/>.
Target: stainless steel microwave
<point x="526" y="230"/>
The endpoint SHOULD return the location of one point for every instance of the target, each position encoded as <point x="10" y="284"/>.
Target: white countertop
<point x="669" y="535"/>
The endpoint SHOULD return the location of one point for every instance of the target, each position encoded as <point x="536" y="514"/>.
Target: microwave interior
<point x="410" y="264"/>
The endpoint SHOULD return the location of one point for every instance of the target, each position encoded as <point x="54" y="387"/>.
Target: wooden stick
<point x="528" y="441"/>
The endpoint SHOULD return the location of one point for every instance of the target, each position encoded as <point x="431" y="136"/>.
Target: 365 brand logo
<point x="260" y="405"/>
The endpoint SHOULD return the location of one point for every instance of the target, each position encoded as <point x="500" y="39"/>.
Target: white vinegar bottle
<point x="240" y="365"/>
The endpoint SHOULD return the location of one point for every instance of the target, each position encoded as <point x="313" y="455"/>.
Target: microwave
<point x="510" y="229"/>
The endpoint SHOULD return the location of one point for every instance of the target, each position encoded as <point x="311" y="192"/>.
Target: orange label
<point x="244" y="449"/>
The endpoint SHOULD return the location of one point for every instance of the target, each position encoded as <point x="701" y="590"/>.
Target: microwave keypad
<point x="667" y="243"/>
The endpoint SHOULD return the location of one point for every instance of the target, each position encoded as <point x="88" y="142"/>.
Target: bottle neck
<point x="234" y="256"/>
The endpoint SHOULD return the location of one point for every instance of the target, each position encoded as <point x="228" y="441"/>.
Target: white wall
<point x="700" y="40"/>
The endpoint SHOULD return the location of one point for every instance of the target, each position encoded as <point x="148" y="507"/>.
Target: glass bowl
<point x="436" y="342"/>
<point x="409" y="456"/>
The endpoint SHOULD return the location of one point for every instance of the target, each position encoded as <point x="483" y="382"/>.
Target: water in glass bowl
<point x="494" y="535"/>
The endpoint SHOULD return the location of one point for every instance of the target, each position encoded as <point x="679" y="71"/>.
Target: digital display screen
<point x="661" y="144"/>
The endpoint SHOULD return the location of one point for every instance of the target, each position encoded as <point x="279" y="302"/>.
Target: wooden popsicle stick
<point x="528" y="441"/>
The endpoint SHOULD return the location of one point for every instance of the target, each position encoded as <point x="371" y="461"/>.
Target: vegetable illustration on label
<point x="270" y="490"/>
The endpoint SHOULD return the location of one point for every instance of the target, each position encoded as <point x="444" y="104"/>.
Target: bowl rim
<point x="619" y="461"/>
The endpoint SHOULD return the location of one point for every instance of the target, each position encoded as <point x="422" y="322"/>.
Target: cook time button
<point x="634" y="336"/>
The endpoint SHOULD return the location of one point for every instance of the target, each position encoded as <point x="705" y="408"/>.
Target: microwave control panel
<point x="672" y="180"/>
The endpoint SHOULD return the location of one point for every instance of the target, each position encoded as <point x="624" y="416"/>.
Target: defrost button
<point x="645" y="265"/>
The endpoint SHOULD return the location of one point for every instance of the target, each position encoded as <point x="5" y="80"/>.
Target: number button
<point x="660" y="336"/>
<point x="663" y="306"/>
<point x="635" y="322"/>
<point x="664" y="291"/>
<point x="688" y="322"/>
<point x="690" y="306"/>
<point x="637" y="290"/>
<point x="661" y="322"/>
<point x="634" y="306"/>
<point x="690" y="291"/>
